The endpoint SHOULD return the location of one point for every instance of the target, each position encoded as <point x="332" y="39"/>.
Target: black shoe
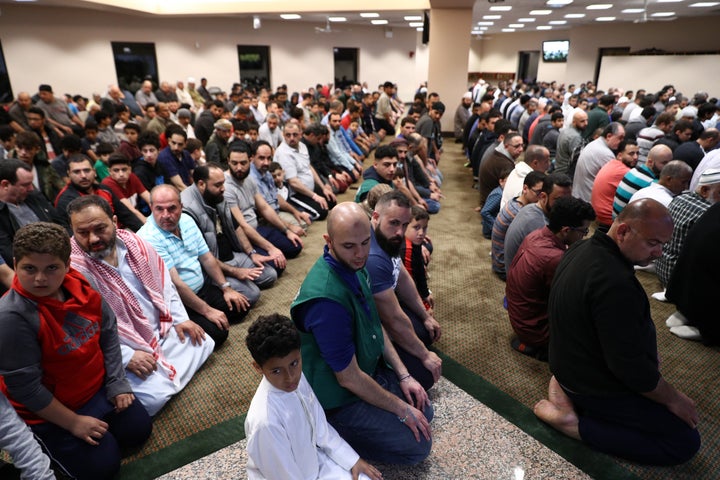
<point x="538" y="353"/>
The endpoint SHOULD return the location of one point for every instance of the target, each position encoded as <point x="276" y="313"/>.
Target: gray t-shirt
<point x="242" y="195"/>
<point x="529" y="218"/>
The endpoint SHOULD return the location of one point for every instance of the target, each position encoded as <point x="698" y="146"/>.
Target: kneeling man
<point x="608" y="390"/>
<point x="366" y="390"/>
<point x="161" y="348"/>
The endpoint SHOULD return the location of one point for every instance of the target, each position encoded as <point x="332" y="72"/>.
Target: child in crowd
<point x="89" y="142"/>
<point x="416" y="253"/>
<point x="126" y="186"/>
<point x="128" y="146"/>
<point x="103" y="152"/>
<point x="195" y="148"/>
<point x="283" y="191"/>
<point x="490" y="209"/>
<point x="60" y="359"/>
<point x="17" y="439"/>
<point x="122" y="112"/>
<point x="252" y="133"/>
<point x="7" y="141"/>
<point x="288" y="435"/>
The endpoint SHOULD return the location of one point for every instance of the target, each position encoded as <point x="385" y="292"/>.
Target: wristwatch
<point x="225" y="285"/>
<point x="252" y="252"/>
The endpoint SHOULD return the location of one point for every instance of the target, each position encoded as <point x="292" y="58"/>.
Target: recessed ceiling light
<point x="544" y="27"/>
<point x="290" y="16"/>
<point x="508" y="30"/>
<point x="540" y="12"/>
<point x="558" y="3"/>
<point x="605" y="19"/>
<point x="379" y="22"/>
<point x="575" y="15"/>
<point x="419" y="29"/>
<point x="669" y="1"/>
<point x="492" y="17"/>
<point x="526" y="20"/>
<point x="483" y="28"/>
<point x="633" y="10"/>
<point x="416" y="24"/>
<point x="486" y="23"/>
<point x="516" y="25"/>
<point x="369" y="15"/>
<point x="557" y="22"/>
<point x="704" y="4"/>
<point x="337" y="19"/>
<point x="500" y="8"/>
<point x="412" y="18"/>
<point x="599" y="6"/>
<point x="662" y="14"/>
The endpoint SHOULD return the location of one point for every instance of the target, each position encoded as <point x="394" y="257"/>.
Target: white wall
<point x="499" y="52"/>
<point x="70" y="48"/>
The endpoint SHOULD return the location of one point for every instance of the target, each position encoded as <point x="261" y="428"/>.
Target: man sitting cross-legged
<point x="152" y="322"/>
<point x="208" y="297"/>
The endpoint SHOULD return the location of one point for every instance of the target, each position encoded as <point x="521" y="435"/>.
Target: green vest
<point x="322" y="282"/>
<point x="365" y="187"/>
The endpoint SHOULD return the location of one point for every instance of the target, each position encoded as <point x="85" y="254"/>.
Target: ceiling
<point x="516" y="16"/>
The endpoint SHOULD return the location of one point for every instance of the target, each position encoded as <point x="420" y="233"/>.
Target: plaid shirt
<point x="685" y="210"/>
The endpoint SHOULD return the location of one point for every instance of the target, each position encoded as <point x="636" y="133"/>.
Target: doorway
<point x="346" y="66"/>
<point x="528" y="66"/>
<point x="254" y="63"/>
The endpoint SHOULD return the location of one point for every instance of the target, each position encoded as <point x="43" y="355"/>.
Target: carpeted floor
<point x="208" y="415"/>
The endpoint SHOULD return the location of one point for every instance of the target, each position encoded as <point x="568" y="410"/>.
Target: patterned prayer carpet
<point x="209" y="414"/>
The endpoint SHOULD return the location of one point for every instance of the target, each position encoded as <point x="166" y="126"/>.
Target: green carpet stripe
<point x="595" y="464"/>
<point x="186" y="450"/>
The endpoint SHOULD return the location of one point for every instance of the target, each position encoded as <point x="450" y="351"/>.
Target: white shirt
<point x="514" y="183"/>
<point x="288" y="437"/>
<point x="656" y="192"/>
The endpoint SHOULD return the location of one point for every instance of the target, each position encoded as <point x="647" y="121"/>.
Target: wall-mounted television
<point x="555" y="50"/>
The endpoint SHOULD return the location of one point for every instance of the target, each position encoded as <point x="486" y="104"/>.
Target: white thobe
<point x="289" y="437"/>
<point x="154" y="391"/>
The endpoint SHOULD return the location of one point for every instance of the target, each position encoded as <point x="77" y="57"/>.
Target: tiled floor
<point x="470" y="442"/>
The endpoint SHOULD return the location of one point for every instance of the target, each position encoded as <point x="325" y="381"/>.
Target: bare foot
<point x="557" y="395"/>
<point x="558" y="411"/>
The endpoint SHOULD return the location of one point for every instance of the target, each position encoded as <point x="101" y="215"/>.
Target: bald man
<point x="342" y="341"/>
<point x="569" y="140"/>
<point x="607" y="389"/>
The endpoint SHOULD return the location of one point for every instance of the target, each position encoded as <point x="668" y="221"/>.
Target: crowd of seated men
<point x="181" y="205"/>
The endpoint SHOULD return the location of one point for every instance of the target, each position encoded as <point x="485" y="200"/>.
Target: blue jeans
<point x="81" y="460"/>
<point x="378" y="435"/>
<point x="279" y="240"/>
<point x="635" y="428"/>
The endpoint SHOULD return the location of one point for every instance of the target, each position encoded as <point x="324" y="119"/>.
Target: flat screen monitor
<point x="555" y="50"/>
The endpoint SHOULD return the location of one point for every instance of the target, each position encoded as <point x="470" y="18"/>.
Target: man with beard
<point x="176" y="162"/>
<point x="205" y="203"/>
<point x="294" y="219"/>
<point x="152" y="322"/>
<point x="342" y="341"/>
<point x="607" y="180"/>
<point x="411" y="327"/>
<point x="272" y="237"/>
<point x="209" y="298"/>
<point x="206" y="120"/>
<point x="82" y="182"/>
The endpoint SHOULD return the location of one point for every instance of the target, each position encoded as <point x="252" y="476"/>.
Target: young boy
<point x="126" y="185"/>
<point x="283" y="191"/>
<point x="7" y="141"/>
<point x="103" y="152"/>
<point x="413" y="257"/>
<point x="491" y="207"/>
<point x="287" y="432"/>
<point x="90" y="142"/>
<point x="128" y="146"/>
<point x="58" y="336"/>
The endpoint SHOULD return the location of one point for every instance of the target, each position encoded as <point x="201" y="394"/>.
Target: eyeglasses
<point x="536" y="192"/>
<point x="519" y="145"/>
<point x="582" y="230"/>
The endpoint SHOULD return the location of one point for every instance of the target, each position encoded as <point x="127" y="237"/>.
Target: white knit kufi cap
<point x="710" y="176"/>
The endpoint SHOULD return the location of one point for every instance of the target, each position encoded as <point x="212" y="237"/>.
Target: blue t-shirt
<point x="384" y="270"/>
